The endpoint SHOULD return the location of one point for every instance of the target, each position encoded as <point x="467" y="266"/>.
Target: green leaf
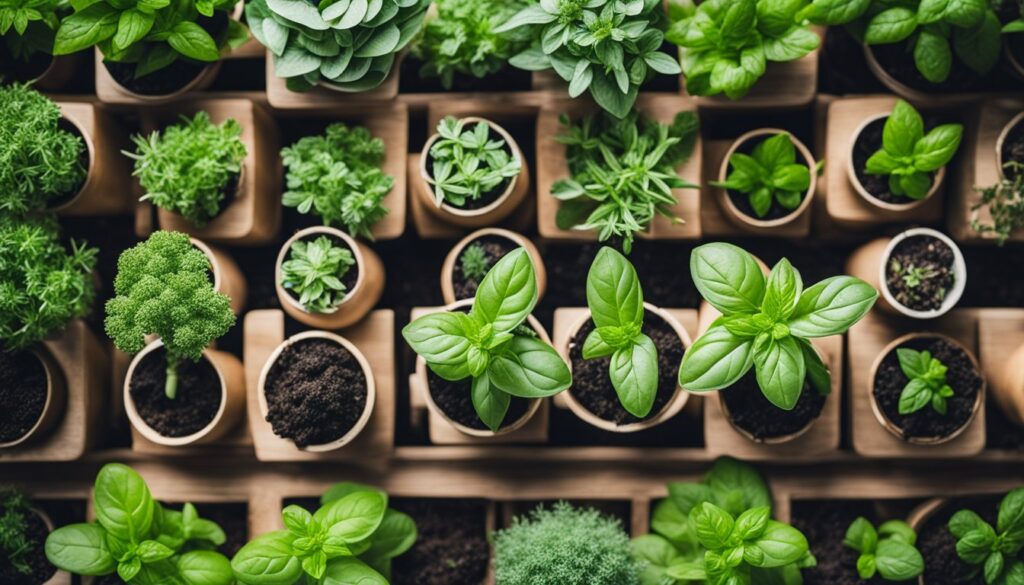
<point x="85" y="28"/>
<point x="784" y="288"/>
<point x="151" y="551"/>
<point x="344" y="488"/>
<point x="490" y="403"/>
<point x="205" y="567"/>
<point x="662" y="63"/>
<point x="752" y="523"/>
<point x="963" y="522"/>
<point x="634" y="375"/>
<point x="937" y="147"/>
<point x="533" y="14"/>
<point x="80" y="549"/>
<point x="581" y="79"/>
<point x="354" y="517"/>
<point x="191" y="40"/>
<point x="658" y="554"/>
<point x="613" y="291"/>
<point x="817" y="371"/>
<point x="861" y="536"/>
<point x="295" y="62"/>
<point x="122" y="502"/>
<point x="794" y="44"/>
<point x="993" y="567"/>
<point x="915" y="396"/>
<point x="899" y="530"/>
<point x="351" y="571"/>
<point x="508" y="294"/>
<point x="713" y="525"/>
<point x="933" y="56"/>
<point x="440" y="338"/>
<point x="898" y="561"/>
<point x="529" y="368"/>
<point x="715" y="361"/>
<point x="131" y="27"/>
<point x="831" y="307"/>
<point x="728" y="278"/>
<point x="268" y="560"/>
<point x="834" y="12"/>
<point x="610" y="97"/>
<point x="594" y="346"/>
<point x="298" y="11"/>
<point x="1011" y="513"/>
<point x="395" y="536"/>
<point x="775" y="151"/>
<point x="891" y="26"/>
<point x="738" y="486"/>
<point x="782" y="544"/>
<point x="866" y="566"/>
<point x="975" y="546"/>
<point x="780" y="368"/>
<point x="902" y="129"/>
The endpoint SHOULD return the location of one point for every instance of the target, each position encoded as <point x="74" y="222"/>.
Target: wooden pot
<point x="1008" y="387"/>
<point x="110" y="91"/>
<point x="56" y="399"/>
<point x="1003" y="134"/>
<point x="357" y="303"/>
<point x="227" y="277"/>
<point x="106" y="188"/>
<point x="371" y="389"/>
<point x="448" y="268"/>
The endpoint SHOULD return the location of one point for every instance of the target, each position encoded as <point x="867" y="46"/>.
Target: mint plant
<point x="15" y="545"/>
<point x="466" y="164"/>
<point x="769" y="173"/>
<point x="137" y="538"/>
<point x="927" y="382"/>
<point x="766" y="324"/>
<point x="888" y="551"/>
<point x="609" y="47"/>
<point x="994" y="553"/>
<point x="313" y="272"/>
<point x="488" y="345"/>
<point x="474" y="262"/>
<point x="29" y="26"/>
<point x="908" y="156"/>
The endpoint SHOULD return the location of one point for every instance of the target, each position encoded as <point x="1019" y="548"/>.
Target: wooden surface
<point x="282" y="98"/>
<point x="1000" y="335"/>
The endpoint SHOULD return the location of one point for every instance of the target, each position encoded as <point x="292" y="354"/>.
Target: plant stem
<point x="171" y="385"/>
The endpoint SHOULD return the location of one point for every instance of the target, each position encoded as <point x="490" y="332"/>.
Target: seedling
<point x="1005" y="204"/>
<point x="766" y="324"/>
<point x="927" y="382"/>
<point x="314" y="270"/>
<point x="993" y="552"/>
<point x="14" y="543"/>
<point x="888" y="551"/>
<point x="770" y="172"/>
<point x="474" y="262"/>
<point x="488" y="345"/>
<point x="467" y="164"/>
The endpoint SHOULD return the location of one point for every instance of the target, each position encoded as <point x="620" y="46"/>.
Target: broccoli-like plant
<point x="769" y="173"/>
<point x="563" y="545"/>
<point x="163" y="287"/>
<point x="1005" y="204"/>
<point x="474" y="262"/>
<point x="39" y="160"/>
<point x="993" y="553"/>
<point x="15" y="545"/>
<point x="43" y="285"/>
<point x="29" y="26"/>
<point x="888" y="551"/>
<point x="338" y="176"/>
<point x="467" y="164"/>
<point x="927" y="382"/>
<point x="187" y="167"/>
<point x="314" y="270"/>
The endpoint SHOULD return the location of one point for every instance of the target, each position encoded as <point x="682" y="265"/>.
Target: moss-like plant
<point x="314" y="271"/>
<point x="466" y="163"/>
<point x="163" y="287"/>
<point x="474" y="262"/>
<point x="29" y="26"/>
<point x="14" y="543"/>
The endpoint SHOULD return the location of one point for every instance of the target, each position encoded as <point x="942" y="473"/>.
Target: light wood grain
<point x="1000" y="336"/>
<point x="107" y="188"/>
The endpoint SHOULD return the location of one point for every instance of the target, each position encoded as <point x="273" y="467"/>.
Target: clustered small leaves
<point x="888" y="551"/>
<point x="926" y="382"/>
<point x="29" y="26"/>
<point x="994" y="553"/>
<point x="15" y="545"/>
<point x="474" y="262"/>
<point x="337" y="175"/>
<point x="467" y="164"/>
<point x="769" y="174"/>
<point x="1004" y="202"/>
<point x="314" y="270"/>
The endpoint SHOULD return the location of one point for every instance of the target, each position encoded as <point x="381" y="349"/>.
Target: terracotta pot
<point x="1008" y="387"/>
<point x="109" y="90"/>
<point x="232" y="400"/>
<point x="1018" y="119"/>
<point x="56" y="398"/>
<point x="106" y="188"/>
<point x="764" y="225"/>
<point x="496" y="211"/>
<point x="227" y="277"/>
<point x="889" y="425"/>
<point x="371" y="389"/>
<point x="448" y="268"/>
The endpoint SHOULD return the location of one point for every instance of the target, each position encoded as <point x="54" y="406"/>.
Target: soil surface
<point x="22" y="393"/>
<point x="495" y="247"/>
<point x="897" y="59"/>
<point x="351" y="276"/>
<point x="592" y="386"/>
<point x="195" y="405"/>
<point x="942" y="566"/>
<point x="752" y="412"/>
<point x="1013" y="144"/>
<point x="490" y="196"/>
<point x="868" y="143"/>
<point x="316" y="392"/>
<point x="825" y="524"/>
<point x="932" y="262"/>
<point x="41" y="569"/>
<point x="742" y="200"/>
<point x="455" y="400"/>
<point x="232" y="517"/>
<point x="451" y="546"/>
<point x="926" y="423"/>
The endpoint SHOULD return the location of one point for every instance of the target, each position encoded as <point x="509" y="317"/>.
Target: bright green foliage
<point x="474" y="262"/>
<point x="29" y="26"/>
<point x="151" y="34"/>
<point x="43" y="285"/>
<point x="461" y="38"/>
<point x="766" y="324"/>
<point x="14" y="544"/>
<point x="769" y="173"/>
<point x="564" y="545"/>
<point x="993" y="552"/>
<point x="337" y="175"/>
<point x="351" y="539"/>
<point x="908" y="156"/>
<point x="623" y="173"/>
<point x="39" y="160"/>
<point x="187" y="167"/>
<point x="163" y="287"/>
<point x="137" y="538"/>
<point x="350" y="45"/>
<point x="927" y="381"/>
<point x="467" y="163"/>
<point x="727" y="44"/>
<point x="488" y="346"/>
<point x="1005" y="204"/>
<point x="609" y="47"/>
<point x="314" y="270"/>
<point x="889" y="551"/>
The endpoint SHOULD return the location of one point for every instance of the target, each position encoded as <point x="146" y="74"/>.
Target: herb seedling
<point x="888" y="551"/>
<point x="28" y="26"/>
<point x="1005" y="204"/>
<point x="769" y="173"/>
<point x="766" y="324"/>
<point x="908" y="156"/>
<point x="474" y="262"/>
<point x="927" y="382"/>
<point x="466" y="164"/>
<point x="314" y="270"/>
<point x="993" y="552"/>
<point x="914" y="276"/>
<point x="163" y="287"/>
<point x="15" y="545"/>
<point x="488" y="345"/>
<point x="140" y="540"/>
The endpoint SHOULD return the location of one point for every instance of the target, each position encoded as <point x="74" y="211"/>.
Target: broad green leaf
<point x="508" y="293"/>
<point x="817" y="371"/>
<point x="752" y="523"/>
<point x="898" y="561"/>
<point x="298" y="11"/>
<point x="891" y="26"/>
<point x="122" y="502"/>
<point x="915" y="396"/>
<point x="613" y="290"/>
<point x="80" y="549"/>
<point x="594" y="346"/>
<point x="738" y="483"/>
<point x="902" y="129"/>
<point x="268" y="560"/>
<point x="861" y="536"/>
<point x="792" y="45"/>
<point x="533" y="14"/>
<point x="344" y="488"/>
<point x="964" y="521"/>
<point x="354" y="517"/>
<point x="659" y="555"/>
<point x="395" y="536"/>
<point x="440" y="338"/>
<point x="205" y="567"/>
<point x="933" y="55"/>
<point x="529" y="368"/>
<point x="728" y="278"/>
<point x="780" y="368"/>
<point x="993" y="567"/>
<point x="834" y="12"/>
<point x="86" y="28"/>
<point x="782" y="544"/>
<point x="899" y="530"/>
<point x="192" y="41"/>
<point x="831" y="307"/>
<point x="775" y="151"/>
<point x="132" y="25"/>
<point x="685" y="496"/>
<point x="295" y="62"/>
<point x="715" y="361"/>
<point x="784" y="288"/>
<point x="634" y="375"/>
<point x="937" y="147"/>
<point x="713" y="525"/>
<point x="490" y="403"/>
<point x="351" y="571"/>
<point x="1011" y="513"/>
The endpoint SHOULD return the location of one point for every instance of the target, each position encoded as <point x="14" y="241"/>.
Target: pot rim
<point x="214" y="264"/>
<point x="303" y="234"/>
<point x="894" y="85"/>
<point x="448" y="267"/>
<point x="1003" y="134"/>
<point x="49" y="367"/>
<point x="90" y="171"/>
<point x="208" y="70"/>
<point x="959" y="274"/>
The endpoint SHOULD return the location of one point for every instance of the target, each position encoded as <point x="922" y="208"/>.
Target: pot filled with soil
<point x="875" y="189"/>
<point x="226" y="275"/>
<point x="469" y="260"/>
<point x="32" y="395"/>
<point x="317" y="390"/>
<point x="451" y="545"/>
<point x="756" y="418"/>
<point x="894" y="66"/>
<point x="942" y="564"/>
<point x="326" y="279"/>
<point x="208" y="403"/>
<point x="922" y="274"/>
<point x="1010" y="146"/>
<point x="28" y="526"/>
<point x="926" y="388"/>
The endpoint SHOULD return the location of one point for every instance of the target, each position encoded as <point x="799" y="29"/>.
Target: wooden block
<point x="822" y="225"/>
<point x="783" y="85"/>
<point x="110" y="92"/>
<point x="264" y="331"/>
<point x="282" y="98"/>
<point x="1000" y="335"/>
<point x="107" y="187"/>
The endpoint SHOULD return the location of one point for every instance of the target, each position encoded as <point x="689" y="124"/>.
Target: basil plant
<point x="767" y="324"/>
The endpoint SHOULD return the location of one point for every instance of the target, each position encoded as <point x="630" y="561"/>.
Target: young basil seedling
<point x="889" y="551"/>
<point x="770" y="172"/>
<point x="993" y="552"/>
<point x="927" y="382"/>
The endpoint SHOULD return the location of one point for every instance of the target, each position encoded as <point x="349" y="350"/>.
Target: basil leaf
<point x="780" y="369"/>
<point x="354" y="517"/>
<point x="937" y="147"/>
<point x="192" y="41"/>
<point x="613" y="291"/>
<point x="861" y="536"/>
<point x="728" y="278"/>
<point x="752" y="523"/>
<point x="792" y="45"/>
<point x="738" y="484"/>
<point x="915" y="396"/>
<point x="529" y="368"/>
<point x="833" y="12"/>
<point x="775" y="151"/>
<point x="80" y="549"/>
<point x="634" y="375"/>
<point x="674" y="524"/>
<point x="508" y="292"/>
<point x="205" y="567"/>
<point x="351" y="571"/>
<point x="132" y="25"/>
<point x="933" y="56"/>
<point x="85" y="28"/>
<point x="898" y="530"/>
<point x="268" y="560"/>
<point x="817" y="371"/>
<point x="715" y="361"/>
<point x="866" y="566"/>
<point x="440" y="338"/>
<point x="713" y="525"/>
<point x="122" y="502"/>
<point x="344" y="488"/>
<point x="963" y="522"/>
<point x="898" y="561"/>
<point x="1011" y="513"/>
<point x="533" y="14"/>
<point x="395" y="536"/>
<point x="781" y="544"/>
<point x="658" y="554"/>
<point x="890" y="26"/>
<point x="831" y="306"/>
<point x="687" y="571"/>
<point x="684" y="496"/>
<point x="902" y="129"/>
<point x="594" y="346"/>
<point x="979" y="46"/>
<point x="490" y="403"/>
<point x="784" y="287"/>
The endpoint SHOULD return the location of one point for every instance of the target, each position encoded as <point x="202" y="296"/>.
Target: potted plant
<point x="469" y="260"/>
<point x="23" y="533"/>
<point x="177" y="391"/>
<point x="926" y="388"/>
<point x="473" y="173"/>
<point x="138" y="539"/>
<point x="766" y="326"/>
<point x="887" y="551"/>
<point x="1003" y="202"/>
<point x="487" y="355"/>
<point x="766" y="186"/>
<point x="27" y="31"/>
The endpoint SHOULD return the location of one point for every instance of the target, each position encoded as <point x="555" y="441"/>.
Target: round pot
<point x="765" y="440"/>
<point x="90" y="149"/>
<point x="232" y="400"/>
<point x="896" y="86"/>
<point x="56" y="399"/>
<point x="1008" y="387"/>
<point x="448" y="268"/>
<point x="920" y="515"/>
<point x="671" y="408"/>
<point x="952" y="296"/>
<point x="359" y="300"/>
<point x="227" y="277"/>
<point x="201" y="81"/>
<point x="889" y="425"/>
<point x="1003" y="134"/>
<point x="499" y="209"/>
<point x="753" y="223"/>
<point x="371" y="389"/>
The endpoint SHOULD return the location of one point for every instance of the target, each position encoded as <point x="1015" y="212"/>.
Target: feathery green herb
<point x="29" y="26"/>
<point x="1005" y="204"/>
<point x="474" y="262"/>
<point x="769" y="173"/>
<point x="467" y="164"/>
<point x="314" y="270"/>
<point x="927" y="381"/>
<point x="993" y="552"/>
<point x="14" y="543"/>
<point x="888" y="551"/>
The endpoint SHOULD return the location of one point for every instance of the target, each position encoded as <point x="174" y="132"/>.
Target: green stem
<point x="171" y="385"/>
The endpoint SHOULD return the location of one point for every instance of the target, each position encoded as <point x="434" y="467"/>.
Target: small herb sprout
<point x="908" y="156"/>
<point x="351" y="538"/>
<point x="28" y="26"/>
<point x="188" y="167"/>
<point x="927" y="382"/>
<point x="1005" y="204"/>
<point x="314" y="270"/>
<point x="888" y="551"/>
<point x="487" y="345"/>
<point x="15" y="545"/>
<point x="913" y="276"/>
<point x="474" y="262"/>
<point x="137" y="538"/>
<point x="766" y="324"/>
<point x="337" y="175"/>
<point x="466" y="164"/>
<point x="769" y="173"/>
<point x="622" y="173"/>
<point x="993" y="552"/>
<point x="163" y="288"/>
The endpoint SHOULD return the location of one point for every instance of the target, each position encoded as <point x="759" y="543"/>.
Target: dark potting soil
<point x="942" y="565"/>
<point x="451" y="544"/>
<point x="194" y="406"/>
<point x="350" y="277"/>
<point x="868" y="143"/>
<point x="824" y="524"/>
<point x="742" y="200"/>
<point x="41" y="569"/>
<point x="490" y="196"/>
<point x="508" y="79"/>
<point x="232" y="517"/>
<point x="22" y="393"/>
<point x="316" y="392"/>
<point x="1013" y="144"/>
<point x="592" y="385"/>
<point x="752" y="412"/>
<point x="925" y="255"/>
<point x="22" y="70"/>
<point x="495" y="248"/>
<point x="897" y="59"/>
<point x="455" y="400"/>
<point x="926" y="423"/>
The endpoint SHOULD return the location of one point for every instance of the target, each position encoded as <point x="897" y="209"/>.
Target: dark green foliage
<point x="14" y="545"/>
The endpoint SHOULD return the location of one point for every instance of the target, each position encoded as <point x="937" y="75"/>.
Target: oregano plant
<point x="467" y="163"/>
<point x="993" y="552"/>
<point x="314" y="270"/>
<point x="888" y="551"/>
<point x="927" y="382"/>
